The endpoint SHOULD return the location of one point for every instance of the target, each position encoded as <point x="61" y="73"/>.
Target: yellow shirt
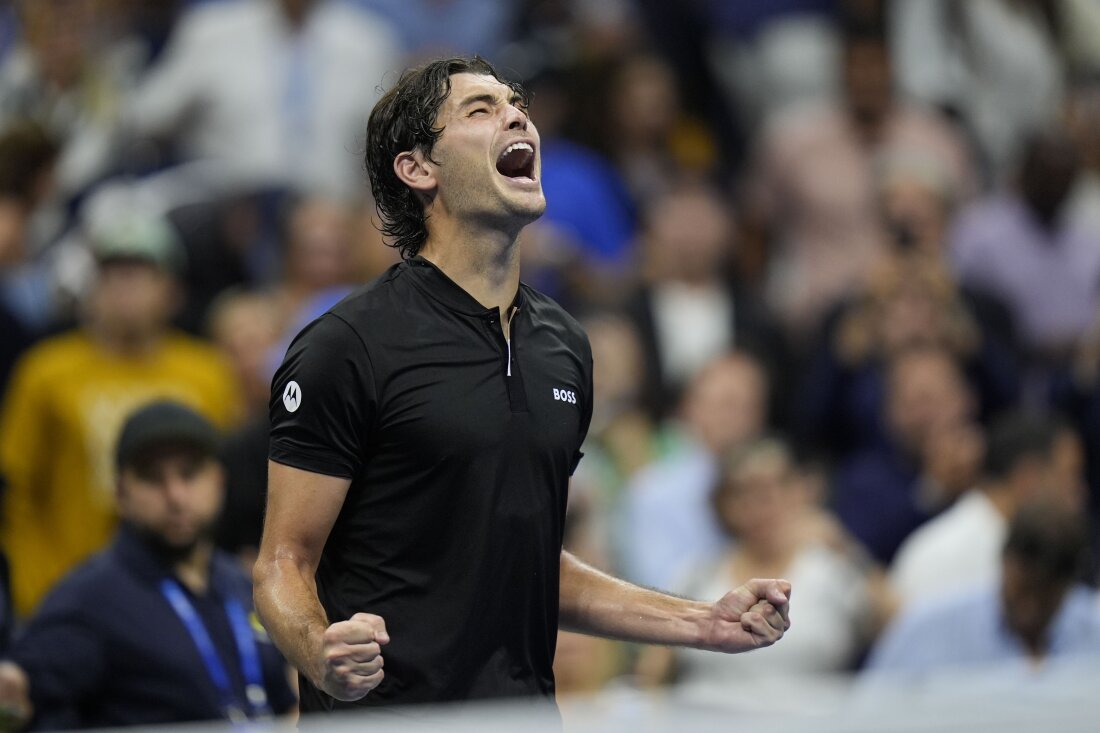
<point x="65" y="405"/>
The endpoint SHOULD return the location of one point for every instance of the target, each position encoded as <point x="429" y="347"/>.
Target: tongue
<point x="515" y="163"/>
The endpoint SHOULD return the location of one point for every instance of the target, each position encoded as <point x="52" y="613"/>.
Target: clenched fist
<point x="351" y="656"/>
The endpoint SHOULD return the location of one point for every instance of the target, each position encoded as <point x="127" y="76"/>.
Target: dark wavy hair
<point x="404" y="120"/>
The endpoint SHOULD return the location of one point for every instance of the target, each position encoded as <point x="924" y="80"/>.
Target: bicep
<point x="302" y="507"/>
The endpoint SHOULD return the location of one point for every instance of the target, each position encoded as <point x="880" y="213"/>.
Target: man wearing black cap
<point x="69" y="395"/>
<point x="159" y="627"/>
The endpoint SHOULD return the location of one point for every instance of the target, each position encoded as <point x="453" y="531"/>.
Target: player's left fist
<point x="752" y="616"/>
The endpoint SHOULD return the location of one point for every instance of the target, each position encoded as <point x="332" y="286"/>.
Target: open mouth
<point x="517" y="161"/>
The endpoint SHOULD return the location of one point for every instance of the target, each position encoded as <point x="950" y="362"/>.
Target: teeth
<point x="517" y="146"/>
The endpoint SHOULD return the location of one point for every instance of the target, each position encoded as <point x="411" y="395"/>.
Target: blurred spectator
<point x="319" y="267"/>
<point x="586" y="201"/>
<point x="690" y="308"/>
<point x="622" y="438"/>
<point x="909" y="300"/>
<point x="931" y="453"/>
<point x="1076" y="392"/>
<point x="1020" y="246"/>
<point x="270" y="92"/>
<point x="1000" y="64"/>
<point x="245" y="325"/>
<point x="669" y="527"/>
<point x="158" y="628"/>
<point x="772" y="55"/>
<point x="318" y="258"/>
<point x="1028" y="458"/>
<point x="71" y="72"/>
<point x="1035" y="620"/>
<point x="429" y="28"/>
<point x="812" y="192"/>
<point x="775" y="526"/>
<point x="634" y="116"/>
<point x="1083" y="125"/>
<point x="7" y="611"/>
<point x="918" y="204"/>
<point x="69" y="394"/>
<point x="27" y="162"/>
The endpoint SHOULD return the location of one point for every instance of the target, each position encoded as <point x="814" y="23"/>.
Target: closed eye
<point x="479" y="110"/>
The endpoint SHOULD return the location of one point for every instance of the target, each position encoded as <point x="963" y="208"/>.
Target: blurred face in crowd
<point x="644" y="101"/>
<point x="59" y="35"/>
<point x="868" y="80"/>
<point x="758" y="498"/>
<point x="320" y="247"/>
<point x="13" y="231"/>
<point x="689" y="235"/>
<point x="1062" y="479"/>
<point x="244" y="327"/>
<point x="1049" y="169"/>
<point x="916" y="214"/>
<point x="726" y="404"/>
<point x="132" y="299"/>
<point x="617" y="365"/>
<point x="1031" y="600"/>
<point x="172" y="496"/>
<point x="927" y="394"/>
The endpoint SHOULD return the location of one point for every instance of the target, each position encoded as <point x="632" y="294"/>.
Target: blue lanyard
<point x="246" y="647"/>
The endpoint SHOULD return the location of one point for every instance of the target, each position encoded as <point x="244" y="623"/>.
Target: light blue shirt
<point x="968" y="630"/>
<point x="669" y="526"/>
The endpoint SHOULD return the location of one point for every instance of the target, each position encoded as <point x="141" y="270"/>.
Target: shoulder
<point x="69" y="351"/>
<point x="181" y="345"/>
<point x="547" y="313"/>
<point x="80" y="592"/>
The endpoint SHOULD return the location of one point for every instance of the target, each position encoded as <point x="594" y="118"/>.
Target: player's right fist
<point x="351" y="655"/>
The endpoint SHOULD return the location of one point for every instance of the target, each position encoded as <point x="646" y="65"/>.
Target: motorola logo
<point x="292" y="396"/>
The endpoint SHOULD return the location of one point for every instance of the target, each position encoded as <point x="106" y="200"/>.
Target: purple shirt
<point x="1049" y="278"/>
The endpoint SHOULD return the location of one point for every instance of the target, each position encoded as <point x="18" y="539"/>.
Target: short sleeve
<point x="586" y="412"/>
<point x="323" y="403"/>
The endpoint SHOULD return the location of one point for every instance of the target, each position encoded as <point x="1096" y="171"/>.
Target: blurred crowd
<point x="839" y="262"/>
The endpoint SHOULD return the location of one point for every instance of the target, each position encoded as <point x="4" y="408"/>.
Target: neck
<point x="1002" y="499"/>
<point x="194" y="570"/>
<point x="484" y="263"/>
<point x="123" y="343"/>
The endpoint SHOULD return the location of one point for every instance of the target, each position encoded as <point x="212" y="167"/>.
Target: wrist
<point x="695" y="625"/>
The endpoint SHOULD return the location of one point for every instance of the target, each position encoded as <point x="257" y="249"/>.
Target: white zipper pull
<point x="509" y="342"/>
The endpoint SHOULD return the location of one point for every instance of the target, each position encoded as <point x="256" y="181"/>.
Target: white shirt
<point x="810" y="663"/>
<point x="273" y="105"/>
<point x="958" y="550"/>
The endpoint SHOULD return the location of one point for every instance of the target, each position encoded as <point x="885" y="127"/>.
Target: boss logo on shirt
<point x="292" y="396"/>
<point x="564" y="395"/>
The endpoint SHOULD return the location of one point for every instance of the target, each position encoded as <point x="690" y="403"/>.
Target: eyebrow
<point x="490" y="99"/>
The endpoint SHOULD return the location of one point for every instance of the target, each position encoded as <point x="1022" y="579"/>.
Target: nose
<point x="515" y="118"/>
<point x="177" y="489"/>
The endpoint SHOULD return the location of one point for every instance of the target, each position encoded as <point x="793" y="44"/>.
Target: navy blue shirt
<point x="106" y="649"/>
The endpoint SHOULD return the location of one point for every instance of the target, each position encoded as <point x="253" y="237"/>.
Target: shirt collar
<point x="441" y="288"/>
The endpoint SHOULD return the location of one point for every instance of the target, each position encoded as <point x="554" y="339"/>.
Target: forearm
<point x="593" y="602"/>
<point x="285" y="594"/>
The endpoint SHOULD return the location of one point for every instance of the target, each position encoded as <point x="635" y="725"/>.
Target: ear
<point x="417" y="172"/>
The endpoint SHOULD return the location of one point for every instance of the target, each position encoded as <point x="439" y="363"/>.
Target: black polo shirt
<point x="459" y="447"/>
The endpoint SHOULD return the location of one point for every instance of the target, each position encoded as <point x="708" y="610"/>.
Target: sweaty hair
<point x="404" y="119"/>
